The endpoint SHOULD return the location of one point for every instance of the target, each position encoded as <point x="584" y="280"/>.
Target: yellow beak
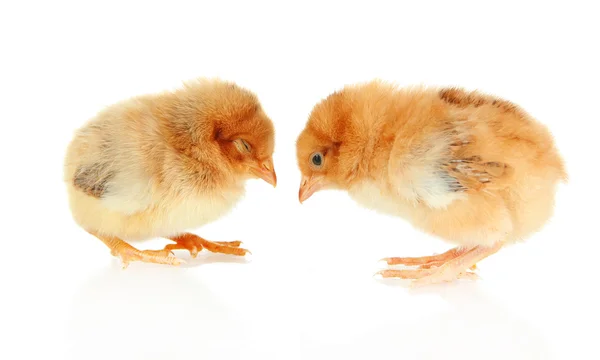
<point x="309" y="186"/>
<point x="266" y="171"/>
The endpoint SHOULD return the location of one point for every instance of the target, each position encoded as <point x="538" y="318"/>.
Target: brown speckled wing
<point x="474" y="174"/>
<point x="466" y="170"/>
<point x="93" y="179"/>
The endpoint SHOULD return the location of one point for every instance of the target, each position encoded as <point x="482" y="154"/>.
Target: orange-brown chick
<point x="472" y="169"/>
<point x="159" y="165"/>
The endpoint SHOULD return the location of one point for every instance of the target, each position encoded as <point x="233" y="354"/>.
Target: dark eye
<point x="246" y="145"/>
<point x="317" y="159"/>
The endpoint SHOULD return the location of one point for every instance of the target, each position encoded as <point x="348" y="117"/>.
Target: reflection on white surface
<point x="150" y="313"/>
<point x="470" y="325"/>
<point x="473" y="326"/>
<point x="168" y="313"/>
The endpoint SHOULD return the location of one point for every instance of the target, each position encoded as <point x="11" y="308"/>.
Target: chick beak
<point x="309" y="186"/>
<point x="266" y="171"/>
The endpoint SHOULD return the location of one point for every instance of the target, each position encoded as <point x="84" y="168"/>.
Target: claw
<point x="194" y="252"/>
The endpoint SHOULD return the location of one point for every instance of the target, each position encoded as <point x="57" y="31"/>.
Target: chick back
<point x="464" y="166"/>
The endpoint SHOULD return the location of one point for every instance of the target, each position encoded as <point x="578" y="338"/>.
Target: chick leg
<point x="194" y="244"/>
<point x="128" y="253"/>
<point x="452" y="269"/>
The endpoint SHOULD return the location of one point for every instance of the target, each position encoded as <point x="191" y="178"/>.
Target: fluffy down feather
<point x="470" y="168"/>
<point x="159" y="165"/>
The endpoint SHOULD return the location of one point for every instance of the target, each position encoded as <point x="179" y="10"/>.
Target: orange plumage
<point x="470" y="168"/>
<point x="158" y="165"/>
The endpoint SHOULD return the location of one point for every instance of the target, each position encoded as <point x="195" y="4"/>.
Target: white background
<point x="308" y="292"/>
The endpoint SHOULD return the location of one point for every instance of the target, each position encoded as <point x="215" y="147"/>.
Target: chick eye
<point x="242" y="145"/>
<point x="317" y="159"/>
<point x="246" y="145"/>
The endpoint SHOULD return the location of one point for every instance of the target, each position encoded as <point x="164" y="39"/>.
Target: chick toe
<point x="405" y="274"/>
<point x="447" y="267"/>
<point x="195" y="243"/>
<point x="128" y="253"/>
<point x="425" y="261"/>
<point x="229" y="243"/>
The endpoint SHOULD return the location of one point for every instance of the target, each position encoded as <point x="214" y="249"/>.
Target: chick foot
<point x="194" y="244"/>
<point x="128" y="253"/>
<point x="425" y="262"/>
<point x="445" y="267"/>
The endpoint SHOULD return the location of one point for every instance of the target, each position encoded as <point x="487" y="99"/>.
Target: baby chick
<point x="467" y="167"/>
<point x="158" y="165"/>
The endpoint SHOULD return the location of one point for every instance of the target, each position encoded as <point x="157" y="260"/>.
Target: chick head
<point x="232" y="117"/>
<point x="322" y="147"/>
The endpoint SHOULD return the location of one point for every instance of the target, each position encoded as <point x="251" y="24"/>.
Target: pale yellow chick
<point x="160" y="165"/>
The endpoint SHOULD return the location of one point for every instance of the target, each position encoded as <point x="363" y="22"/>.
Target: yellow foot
<point x="194" y="244"/>
<point x="425" y="262"/>
<point x="447" y="267"/>
<point x="129" y="253"/>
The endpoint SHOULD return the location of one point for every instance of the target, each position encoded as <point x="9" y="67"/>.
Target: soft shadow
<point x="149" y="312"/>
<point x="474" y="326"/>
